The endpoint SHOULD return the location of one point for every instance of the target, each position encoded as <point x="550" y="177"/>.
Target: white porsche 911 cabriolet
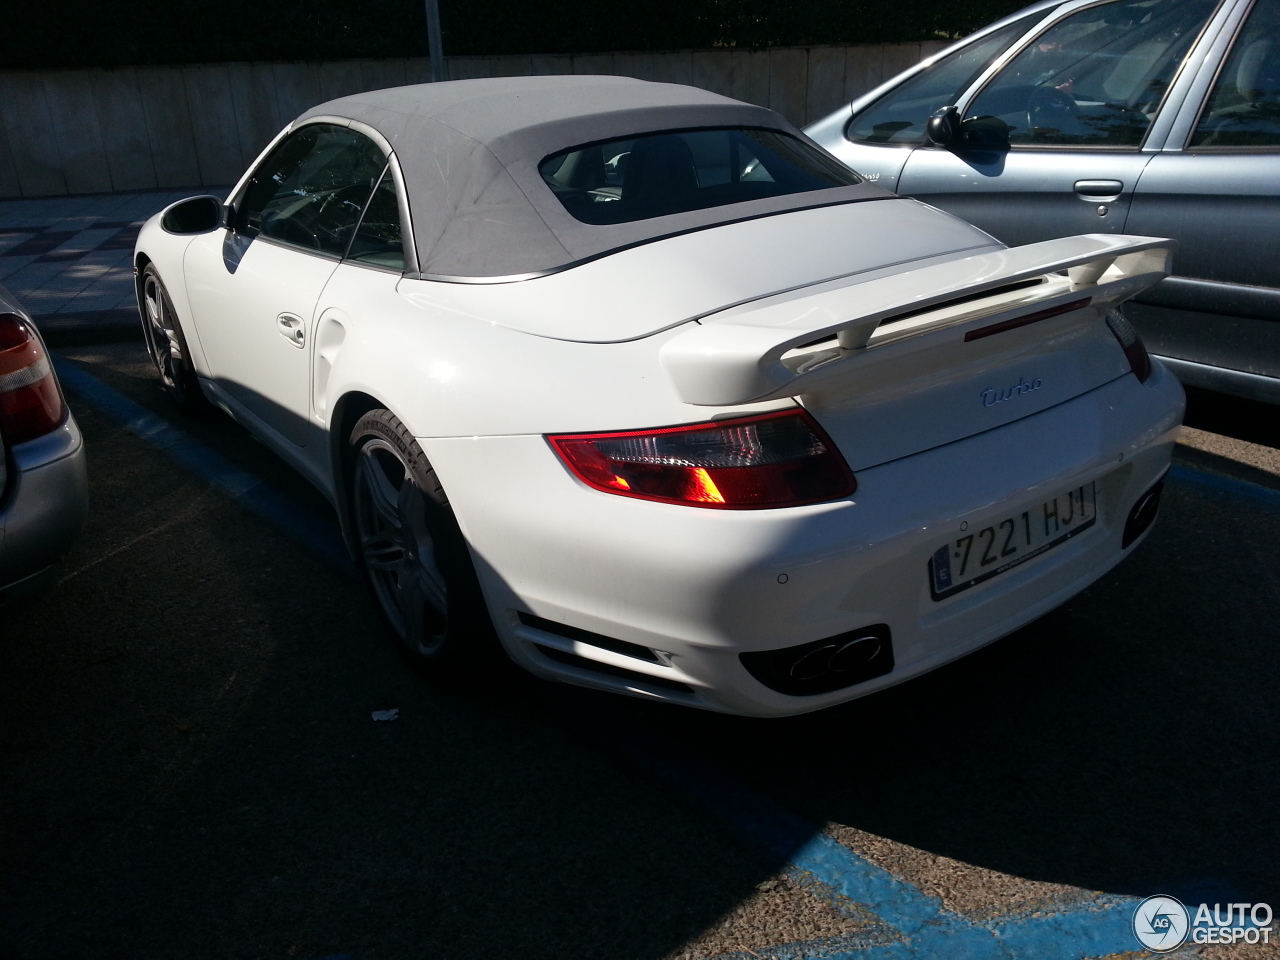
<point x="639" y="381"/>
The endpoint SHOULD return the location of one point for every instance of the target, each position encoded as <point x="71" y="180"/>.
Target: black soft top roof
<point x="469" y="151"/>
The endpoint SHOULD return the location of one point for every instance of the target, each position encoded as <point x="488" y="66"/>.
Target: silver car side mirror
<point x="943" y="128"/>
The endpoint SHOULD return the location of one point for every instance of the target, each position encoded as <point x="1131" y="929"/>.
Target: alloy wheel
<point x="398" y="548"/>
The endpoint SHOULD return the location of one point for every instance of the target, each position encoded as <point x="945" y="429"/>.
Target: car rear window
<point x="658" y="174"/>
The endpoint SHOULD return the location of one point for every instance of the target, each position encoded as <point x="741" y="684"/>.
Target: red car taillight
<point x="1134" y="351"/>
<point x="30" y="402"/>
<point x="775" y="460"/>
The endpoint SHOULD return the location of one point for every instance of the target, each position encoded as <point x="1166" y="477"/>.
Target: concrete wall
<point x="133" y="128"/>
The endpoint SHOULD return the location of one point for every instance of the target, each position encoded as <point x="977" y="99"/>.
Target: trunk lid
<point x="896" y="362"/>
<point x="638" y="292"/>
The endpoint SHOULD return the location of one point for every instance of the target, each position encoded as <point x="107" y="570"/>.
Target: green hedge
<point x="79" y="33"/>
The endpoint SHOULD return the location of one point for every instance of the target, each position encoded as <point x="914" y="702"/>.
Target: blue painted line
<point x="846" y="947"/>
<point x="1253" y="493"/>
<point x="916" y="926"/>
<point x="1103" y="928"/>
<point x="319" y="535"/>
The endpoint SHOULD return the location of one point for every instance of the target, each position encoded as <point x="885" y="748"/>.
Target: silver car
<point x="44" y="492"/>
<point x="1149" y="117"/>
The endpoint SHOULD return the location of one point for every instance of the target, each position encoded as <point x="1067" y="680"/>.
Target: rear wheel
<point x="412" y="551"/>
<point x="168" y="346"/>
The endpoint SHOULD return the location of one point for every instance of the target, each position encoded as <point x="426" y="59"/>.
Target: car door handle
<point x="292" y="329"/>
<point x="1099" y="189"/>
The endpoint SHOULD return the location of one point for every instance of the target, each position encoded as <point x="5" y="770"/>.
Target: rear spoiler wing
<point x="759" y="353"/>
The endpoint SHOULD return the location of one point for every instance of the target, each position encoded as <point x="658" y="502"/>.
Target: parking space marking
<point x="920" y="927"/>
<point x="915" y="925"/>
<point x="319" y="534"/>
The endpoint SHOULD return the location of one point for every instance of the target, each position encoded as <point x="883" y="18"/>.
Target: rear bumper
<point x="695" y="588"/>
<point x="44" y="507"/>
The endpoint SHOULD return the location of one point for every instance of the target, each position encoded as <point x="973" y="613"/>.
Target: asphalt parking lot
<point x="189" y="766"/>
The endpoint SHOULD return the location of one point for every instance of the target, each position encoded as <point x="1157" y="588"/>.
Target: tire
<point x="412" y="551"/>
<point x="168" y="345"/>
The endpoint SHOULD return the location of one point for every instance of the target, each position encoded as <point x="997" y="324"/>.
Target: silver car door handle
<point x="1099" y="189"/>
<point x="292" y="329"/>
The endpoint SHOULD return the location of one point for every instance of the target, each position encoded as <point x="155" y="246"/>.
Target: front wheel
<point x="411" y="549"/>
<point x="168" y="346"/>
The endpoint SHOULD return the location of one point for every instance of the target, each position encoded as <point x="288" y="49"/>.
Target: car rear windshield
<point x="658" y="174"/>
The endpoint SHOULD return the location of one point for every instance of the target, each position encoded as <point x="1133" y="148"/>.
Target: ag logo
<point x="1160" y="923"/>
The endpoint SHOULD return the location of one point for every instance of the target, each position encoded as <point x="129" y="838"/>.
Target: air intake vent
<point x="586" y="636"/>
<point x="593" y="666"/>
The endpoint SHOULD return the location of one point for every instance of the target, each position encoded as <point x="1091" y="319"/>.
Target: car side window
<point x="310" y="191"/>
<point x="1095" y="78"/>
<point x="1244" y="108"/>
<point x="377" y="241"/>
<point x="899" y="116"/>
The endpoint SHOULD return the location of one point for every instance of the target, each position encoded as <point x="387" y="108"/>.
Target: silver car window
<point x="899" y="116"/>
<point x="377" y="241"/>
<point x="1244" y="108"/>
<point x="310" y="191"/>
<point x="1095" y="78"/>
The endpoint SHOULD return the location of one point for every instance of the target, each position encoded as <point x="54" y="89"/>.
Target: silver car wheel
<point x="398" y="549"/>
<point x="167" y="345"/>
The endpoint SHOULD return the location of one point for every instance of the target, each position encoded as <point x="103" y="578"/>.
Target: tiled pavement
<point x="67" y="259"/>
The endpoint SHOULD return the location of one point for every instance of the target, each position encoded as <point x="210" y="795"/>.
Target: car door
<point x="362" y="291"/>
<point x="1052" y="140"/>
<point x="254" y="287"/>
<point x="1216" y="189"/>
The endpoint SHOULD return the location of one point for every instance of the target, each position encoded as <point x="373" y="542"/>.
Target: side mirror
<point x="984" y="133"/>
<point x="943" y="128"/>
<point x="196" y="215"/>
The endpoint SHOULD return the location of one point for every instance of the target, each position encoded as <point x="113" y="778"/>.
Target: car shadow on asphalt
<point x="1247" y="420"/>
<point x="191" y="766"/>
<point x="1128" y="742"/>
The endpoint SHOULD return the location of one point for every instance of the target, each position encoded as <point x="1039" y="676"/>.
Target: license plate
<point x="982" y="554"/>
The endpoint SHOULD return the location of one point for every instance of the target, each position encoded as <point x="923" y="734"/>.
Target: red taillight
<point x="30" y="402"/>
<point x="1134" y="351"/>
<point x="776" y="460"/>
